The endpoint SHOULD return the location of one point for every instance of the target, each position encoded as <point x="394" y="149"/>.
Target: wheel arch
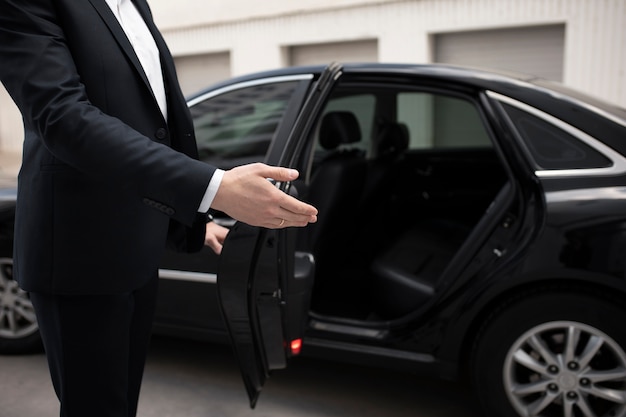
<point x="482" y="316"/>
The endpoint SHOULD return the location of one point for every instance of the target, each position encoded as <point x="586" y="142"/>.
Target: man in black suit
<point x="109" y="174"/>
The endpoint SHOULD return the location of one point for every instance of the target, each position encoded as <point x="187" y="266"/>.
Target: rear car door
<point x="263" y="284"/>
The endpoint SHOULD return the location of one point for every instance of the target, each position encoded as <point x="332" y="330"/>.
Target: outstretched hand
<point x="246" y="195"/>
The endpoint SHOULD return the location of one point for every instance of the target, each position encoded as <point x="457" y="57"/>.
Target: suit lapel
<point x="175" y="98"/>
<point x="114" y="26"/>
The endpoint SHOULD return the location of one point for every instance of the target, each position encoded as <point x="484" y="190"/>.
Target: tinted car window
<point x="237" y="127"/>
<point x="436" y="121"/>
<point x="433" y="121"/>
<point x="551" y="147"/>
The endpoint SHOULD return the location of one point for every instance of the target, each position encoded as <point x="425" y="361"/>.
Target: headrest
<point x="338" y="128"/>
<point x="393" y="138"/>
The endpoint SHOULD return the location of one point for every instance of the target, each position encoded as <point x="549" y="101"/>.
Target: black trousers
<point x="96" y="347"/>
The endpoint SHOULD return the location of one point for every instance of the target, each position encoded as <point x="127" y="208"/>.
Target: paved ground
<point x="186" y="379"/>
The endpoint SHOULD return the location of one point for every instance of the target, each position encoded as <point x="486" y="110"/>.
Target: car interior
<point x="394" y="208"/>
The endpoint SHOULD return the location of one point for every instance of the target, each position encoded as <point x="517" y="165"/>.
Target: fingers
<point x="294" y="213"/>
<point x="214" y="245"/>
<point x="291" y="212"/>
<point x="214" y="236"/>
<point x="294" y="206"/>
<point x="281" y="223"/>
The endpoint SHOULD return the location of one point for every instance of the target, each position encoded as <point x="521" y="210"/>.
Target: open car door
<point x="264" y="286"/>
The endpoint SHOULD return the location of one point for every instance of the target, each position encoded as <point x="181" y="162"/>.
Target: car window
<point x="551" y="147"/>
<point x="432" y="121"/>
<point x="437" y="121"/>
<point x="237" y="127"/>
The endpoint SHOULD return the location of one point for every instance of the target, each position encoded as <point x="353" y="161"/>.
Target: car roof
<point x="590" y="114"/>
<point x="442" y="71"/>
<point x="505" y="82"/>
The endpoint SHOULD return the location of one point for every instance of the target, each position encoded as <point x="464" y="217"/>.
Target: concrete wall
<point x="256" y="35"/>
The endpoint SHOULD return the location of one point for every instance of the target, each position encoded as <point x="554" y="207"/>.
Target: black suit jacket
<point x="103" y="174"/>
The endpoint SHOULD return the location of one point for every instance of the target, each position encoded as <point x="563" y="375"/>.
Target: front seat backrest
<point x="339" y="128"/>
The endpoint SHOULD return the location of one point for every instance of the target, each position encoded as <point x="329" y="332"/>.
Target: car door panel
<point x="264" y="301"/>
<point x="241" y="241"/>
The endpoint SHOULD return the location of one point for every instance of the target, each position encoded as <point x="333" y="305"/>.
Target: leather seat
<point x="405" y="275"/>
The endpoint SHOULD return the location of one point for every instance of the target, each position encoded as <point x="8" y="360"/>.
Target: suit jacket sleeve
<point x="66" y="102"/>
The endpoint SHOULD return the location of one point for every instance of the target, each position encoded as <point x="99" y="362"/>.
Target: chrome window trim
<point x="245" y="84"/>
<point x="618" y="161"/>
<point x="188" y="276"/>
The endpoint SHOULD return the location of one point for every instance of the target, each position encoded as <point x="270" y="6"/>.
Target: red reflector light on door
<point x="296" y="346"/>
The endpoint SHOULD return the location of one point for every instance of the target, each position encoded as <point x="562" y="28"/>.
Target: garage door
<point x="537" y="50"/>
<point x="324" y="53"/>
<point x="196" y="72"/>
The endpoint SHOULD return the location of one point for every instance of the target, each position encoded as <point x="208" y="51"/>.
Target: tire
<point x="555" y="353"/>
<point x="19" y="332"/>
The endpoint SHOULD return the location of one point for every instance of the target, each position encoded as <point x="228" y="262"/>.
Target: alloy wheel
<point x="17" y="316"/>
<point x="568" y="369"/>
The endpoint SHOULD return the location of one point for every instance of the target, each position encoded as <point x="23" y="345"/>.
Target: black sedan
<point x="472" y="226"/>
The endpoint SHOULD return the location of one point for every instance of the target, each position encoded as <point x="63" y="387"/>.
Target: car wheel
<point x="19" y="332"/>
<point x="553" y="354"/>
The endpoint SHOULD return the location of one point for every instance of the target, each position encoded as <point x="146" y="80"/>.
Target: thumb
<point x="281" y="173"/>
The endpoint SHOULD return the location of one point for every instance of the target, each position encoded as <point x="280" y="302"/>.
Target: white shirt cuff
<point x="211" y="191"/>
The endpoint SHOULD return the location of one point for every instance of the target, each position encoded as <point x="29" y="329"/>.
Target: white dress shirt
<point x="143" y="43"/>
<point x="146" y="49"/>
